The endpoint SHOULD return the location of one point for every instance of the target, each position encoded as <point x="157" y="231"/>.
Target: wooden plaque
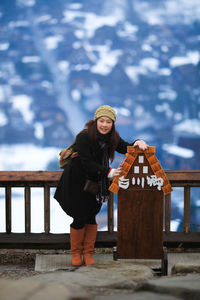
<point x="140" y="224"/>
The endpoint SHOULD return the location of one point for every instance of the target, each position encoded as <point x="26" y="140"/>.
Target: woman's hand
<point x="114" y="173"/>
<point x="141" y="144"/>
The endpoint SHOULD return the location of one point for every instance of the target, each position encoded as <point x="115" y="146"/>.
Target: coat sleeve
<point x="84" y="148"/>
<point x="122" y="146"/>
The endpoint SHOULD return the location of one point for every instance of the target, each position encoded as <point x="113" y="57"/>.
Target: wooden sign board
<point x="140" y="206"/>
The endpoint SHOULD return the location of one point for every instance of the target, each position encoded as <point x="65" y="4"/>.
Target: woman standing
<point x="96" y="145"/>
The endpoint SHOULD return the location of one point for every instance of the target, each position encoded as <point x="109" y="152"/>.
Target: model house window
<point x="141" y="159"/>
<point x="145" y="170"/>
<point x="136" y="170"/>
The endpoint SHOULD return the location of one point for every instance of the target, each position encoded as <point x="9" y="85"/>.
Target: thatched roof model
<point x="149" y="153"/>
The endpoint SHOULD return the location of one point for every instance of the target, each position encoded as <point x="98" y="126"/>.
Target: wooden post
<point x="27" y="210"/>
<point x="167" y="212"/>
<point x="46" y="209"/>
<point x="8" y="209"/>
<point x="110" y="213"/>
<point x="187" y="209"/>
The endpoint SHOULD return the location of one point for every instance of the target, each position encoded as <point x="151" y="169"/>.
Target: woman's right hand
<point x="114" y="173"/>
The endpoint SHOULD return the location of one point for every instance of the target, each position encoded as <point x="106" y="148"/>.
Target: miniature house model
<point x="141" y="188"/>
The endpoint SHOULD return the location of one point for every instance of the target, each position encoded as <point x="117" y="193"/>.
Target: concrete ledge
<point x="186" y="268"/>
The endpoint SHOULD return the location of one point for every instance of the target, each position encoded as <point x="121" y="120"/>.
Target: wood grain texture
<point x="140" y="224"/>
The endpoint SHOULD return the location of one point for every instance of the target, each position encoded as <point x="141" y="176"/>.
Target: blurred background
<point x="60" y="60"/>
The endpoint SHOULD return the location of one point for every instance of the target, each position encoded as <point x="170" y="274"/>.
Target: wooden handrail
<point x="48" y="179"/>
<point x="54" y="176"/>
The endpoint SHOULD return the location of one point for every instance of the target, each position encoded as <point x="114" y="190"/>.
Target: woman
<point x="96" y="144"/>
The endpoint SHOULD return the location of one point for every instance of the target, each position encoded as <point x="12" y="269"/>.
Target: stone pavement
<point x="106" y="280"/>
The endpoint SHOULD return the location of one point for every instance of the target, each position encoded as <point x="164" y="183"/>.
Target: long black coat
<point x="88" y="164"/>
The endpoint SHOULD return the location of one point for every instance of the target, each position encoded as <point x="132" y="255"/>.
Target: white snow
<point x="190" y="127"/>
<point x="5" y="92"/>
<point x="164" y="72"/>
<point x="3" y="119"/>
<point x="146" y="65"/>
<point x="178" y="151"/>
<point x="128" y="30"/>
<point x="39" y="130"/>
<point x="22" y="103"/>
<point x="4" y="46"/>
<point x="52" y="42"/>
<point x="150" y="63"/>
<point x="168" y="94"/>
<point x="133" y="73"/>
<point x="75" y="6"/>
<point x="92" y="21"/>
<point x="43" y="18"/>
<point x="20" y="23"/>
<point x="122" y="111"/>
<point x="107" y="60"/>
<point x="76" y="95"/>
<point x="147" y="47"/>
<point x="46" y="84"/>
<point x="30" y="59"/>
<point x="25" y="157"/>
<point x="171" y="11"/>
<point x="174" y="224"/>
<point x="63" y="66"/>
<point x="25" y="2"/>
<point x="192" y="57"/>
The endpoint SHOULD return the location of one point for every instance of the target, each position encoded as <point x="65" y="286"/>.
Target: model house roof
<point x="149" y="153"/>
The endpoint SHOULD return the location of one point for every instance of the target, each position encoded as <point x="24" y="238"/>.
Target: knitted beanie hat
<point x="105" y="111"/>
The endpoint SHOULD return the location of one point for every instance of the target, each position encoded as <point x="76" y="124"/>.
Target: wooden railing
<point x="49" y="179"/>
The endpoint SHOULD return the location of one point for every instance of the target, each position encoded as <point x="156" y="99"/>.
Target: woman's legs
<point x="76" y="242"/>
<point x="88" y="243"/>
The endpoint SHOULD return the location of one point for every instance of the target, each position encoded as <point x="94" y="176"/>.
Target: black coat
<point x="88" y="164"/>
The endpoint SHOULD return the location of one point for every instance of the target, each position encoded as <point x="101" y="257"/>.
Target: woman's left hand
<point x="141" y="144"/>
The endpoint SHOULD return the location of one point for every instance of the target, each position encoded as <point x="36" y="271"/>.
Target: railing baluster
<point x="187" y="209"/>
<point x="46" y="209"/>
<point x="110" y="220"/>
<point x="167" y="212"/>
<point x="27" y="210"/>
<point x="8" y="209"/>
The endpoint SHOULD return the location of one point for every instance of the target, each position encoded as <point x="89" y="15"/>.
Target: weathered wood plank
<point x="62" y="241"/>
<point x="27" y="210"/>
<point x="30" y="176"/>
<point x="140" y="224"/>
<point x="167" y="212"/>
<point x="186" y="209"/>
<point x="47" y="209"/>
<point x="8" y="209"/>
<point x="110" y="214"/>
<point x="180" y="176"/>
<point x="52" y="176"/>
<point x="51" y="241"/>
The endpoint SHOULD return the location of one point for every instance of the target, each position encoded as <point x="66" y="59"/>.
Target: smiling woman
<point x="95" y="145"/>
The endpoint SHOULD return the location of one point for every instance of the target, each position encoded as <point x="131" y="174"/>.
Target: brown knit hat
<point x="105" y="111"/>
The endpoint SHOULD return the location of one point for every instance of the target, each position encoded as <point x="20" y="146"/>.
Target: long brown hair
<point x="91" y="129"/>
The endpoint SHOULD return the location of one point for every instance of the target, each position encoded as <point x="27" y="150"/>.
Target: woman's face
<point x="104" y="125"/>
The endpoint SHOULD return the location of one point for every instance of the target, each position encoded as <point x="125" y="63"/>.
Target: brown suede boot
<point x="88" y="244"/>
<point x="76" y="241"/>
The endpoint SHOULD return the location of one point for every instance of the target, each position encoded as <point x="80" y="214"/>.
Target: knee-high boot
<point x="76" y="241"/>
<point x="88" y="244"/>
